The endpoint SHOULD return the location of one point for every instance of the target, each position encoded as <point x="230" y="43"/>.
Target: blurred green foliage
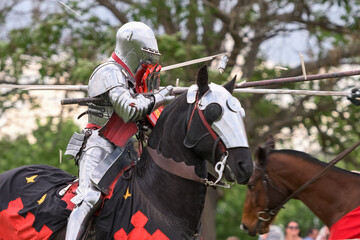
<point x="50" y="138"/>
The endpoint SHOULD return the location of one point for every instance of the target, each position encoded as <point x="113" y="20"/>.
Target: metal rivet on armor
<point x="124" y="72"/>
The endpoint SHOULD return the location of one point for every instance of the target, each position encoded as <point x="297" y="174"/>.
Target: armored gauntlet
<point x="163" y="96"/>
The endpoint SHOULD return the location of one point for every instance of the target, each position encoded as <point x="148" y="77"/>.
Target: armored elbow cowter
<point x="128" y="106"/>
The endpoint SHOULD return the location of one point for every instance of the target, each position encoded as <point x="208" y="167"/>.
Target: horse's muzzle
<point x="241" y="164"/>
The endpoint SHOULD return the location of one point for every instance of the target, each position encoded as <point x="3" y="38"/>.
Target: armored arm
<point x="128" y="106"/>
<point x="132" y="107"/>
<point x="110" y="79"/>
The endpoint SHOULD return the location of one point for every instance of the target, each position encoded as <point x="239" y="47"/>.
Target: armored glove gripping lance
<point x="163" y="96"/>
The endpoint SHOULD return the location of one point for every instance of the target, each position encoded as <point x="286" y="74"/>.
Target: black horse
<point x="161" y="197"/>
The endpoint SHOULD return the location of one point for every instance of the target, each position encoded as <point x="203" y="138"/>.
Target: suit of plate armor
<point x="114" y="82"/>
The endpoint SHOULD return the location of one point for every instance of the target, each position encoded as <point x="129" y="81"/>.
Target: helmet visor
<point x="149" y="56"/>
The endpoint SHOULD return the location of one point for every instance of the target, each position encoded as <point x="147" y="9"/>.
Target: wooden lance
<point x="297" y="79"/>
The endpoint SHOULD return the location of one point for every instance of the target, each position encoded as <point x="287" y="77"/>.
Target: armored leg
<point x="88" y="196"/>
<point x="99" y="164"/>
<point x="80" y="216"/>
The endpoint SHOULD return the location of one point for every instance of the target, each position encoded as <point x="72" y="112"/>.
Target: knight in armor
<point x="112" y="121"/>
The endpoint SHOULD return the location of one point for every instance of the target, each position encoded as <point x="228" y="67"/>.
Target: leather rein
<point x="265" y="215"/>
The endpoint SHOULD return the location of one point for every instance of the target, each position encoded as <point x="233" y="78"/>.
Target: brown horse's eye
<point x="251" y="187"/>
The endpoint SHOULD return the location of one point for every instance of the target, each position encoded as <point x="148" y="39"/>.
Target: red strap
<point x="207" y="125"/>
<point x="118" y="60"/>
<point x="92" y="126"/>
<point x="192" y="114"/>
<point x="139" y="78"/>
<point x="211" y="131"/>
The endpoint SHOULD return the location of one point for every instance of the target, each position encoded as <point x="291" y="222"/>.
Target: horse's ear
<point x="262" y="152"/>
<point x="261" y="155"/>
<point x="230" y="86"/>
<point x="202" y="81"/>
<point x="270" y="143"/>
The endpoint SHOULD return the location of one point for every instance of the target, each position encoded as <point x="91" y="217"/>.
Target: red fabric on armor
<point x="138" y="80"/>
<point x="92" y="126"/>
<point x="154" y="116"/>
<point x="117" y="131"/>
<point x="348" y="227"/>
<point x="69" y="194"/>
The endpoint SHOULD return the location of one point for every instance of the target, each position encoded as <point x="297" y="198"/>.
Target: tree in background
<point x="49" y="138"/>
<point x="66" y="47"/>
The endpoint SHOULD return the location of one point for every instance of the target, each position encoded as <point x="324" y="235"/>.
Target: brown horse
<point x="278" y="173"/>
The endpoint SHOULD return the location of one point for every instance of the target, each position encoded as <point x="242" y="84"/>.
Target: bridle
<point x="265" y="215"/>
<point x="221" y="164"/>
<point x="188" y="171"/>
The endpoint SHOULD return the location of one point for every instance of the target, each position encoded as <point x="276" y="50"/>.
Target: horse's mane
<point x="171" y="112"/>
<point x="174" y="104"/>
<point x="298" y="154"/>
<point x="308" y="157"/>
<point x="143" y="166"/>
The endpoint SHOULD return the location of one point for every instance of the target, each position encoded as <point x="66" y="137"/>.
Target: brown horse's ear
<point x="262" y="152"/>
<point x="202" y="81"/>
<point x="262" y="155"/>
<point x="270" y="143"/>
<point x="230" y="86"/>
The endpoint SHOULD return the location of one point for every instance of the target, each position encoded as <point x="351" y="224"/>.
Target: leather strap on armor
<point x="114" y="164"/>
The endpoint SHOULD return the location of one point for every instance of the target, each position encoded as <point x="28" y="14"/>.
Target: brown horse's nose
<point x="243" y="227"/>
<point x="246" y="229"/>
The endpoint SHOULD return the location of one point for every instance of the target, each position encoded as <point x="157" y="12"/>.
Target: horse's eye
<point x="251" y="187"/>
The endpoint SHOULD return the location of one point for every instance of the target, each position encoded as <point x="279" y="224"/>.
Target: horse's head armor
<point x="232" y="112"/>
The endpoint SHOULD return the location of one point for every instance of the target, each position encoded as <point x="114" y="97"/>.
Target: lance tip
<point x="69" y="8"/>
<point x="223" y="63"/>
<point x="281" y="68"/>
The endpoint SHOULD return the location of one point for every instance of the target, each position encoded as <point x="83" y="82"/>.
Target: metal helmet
<point x="136" y="44"/>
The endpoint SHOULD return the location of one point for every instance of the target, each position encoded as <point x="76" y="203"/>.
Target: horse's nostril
<point x="243" y="227"/>
<point x="246" y="173"/>
<point x="247" y="168"/>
